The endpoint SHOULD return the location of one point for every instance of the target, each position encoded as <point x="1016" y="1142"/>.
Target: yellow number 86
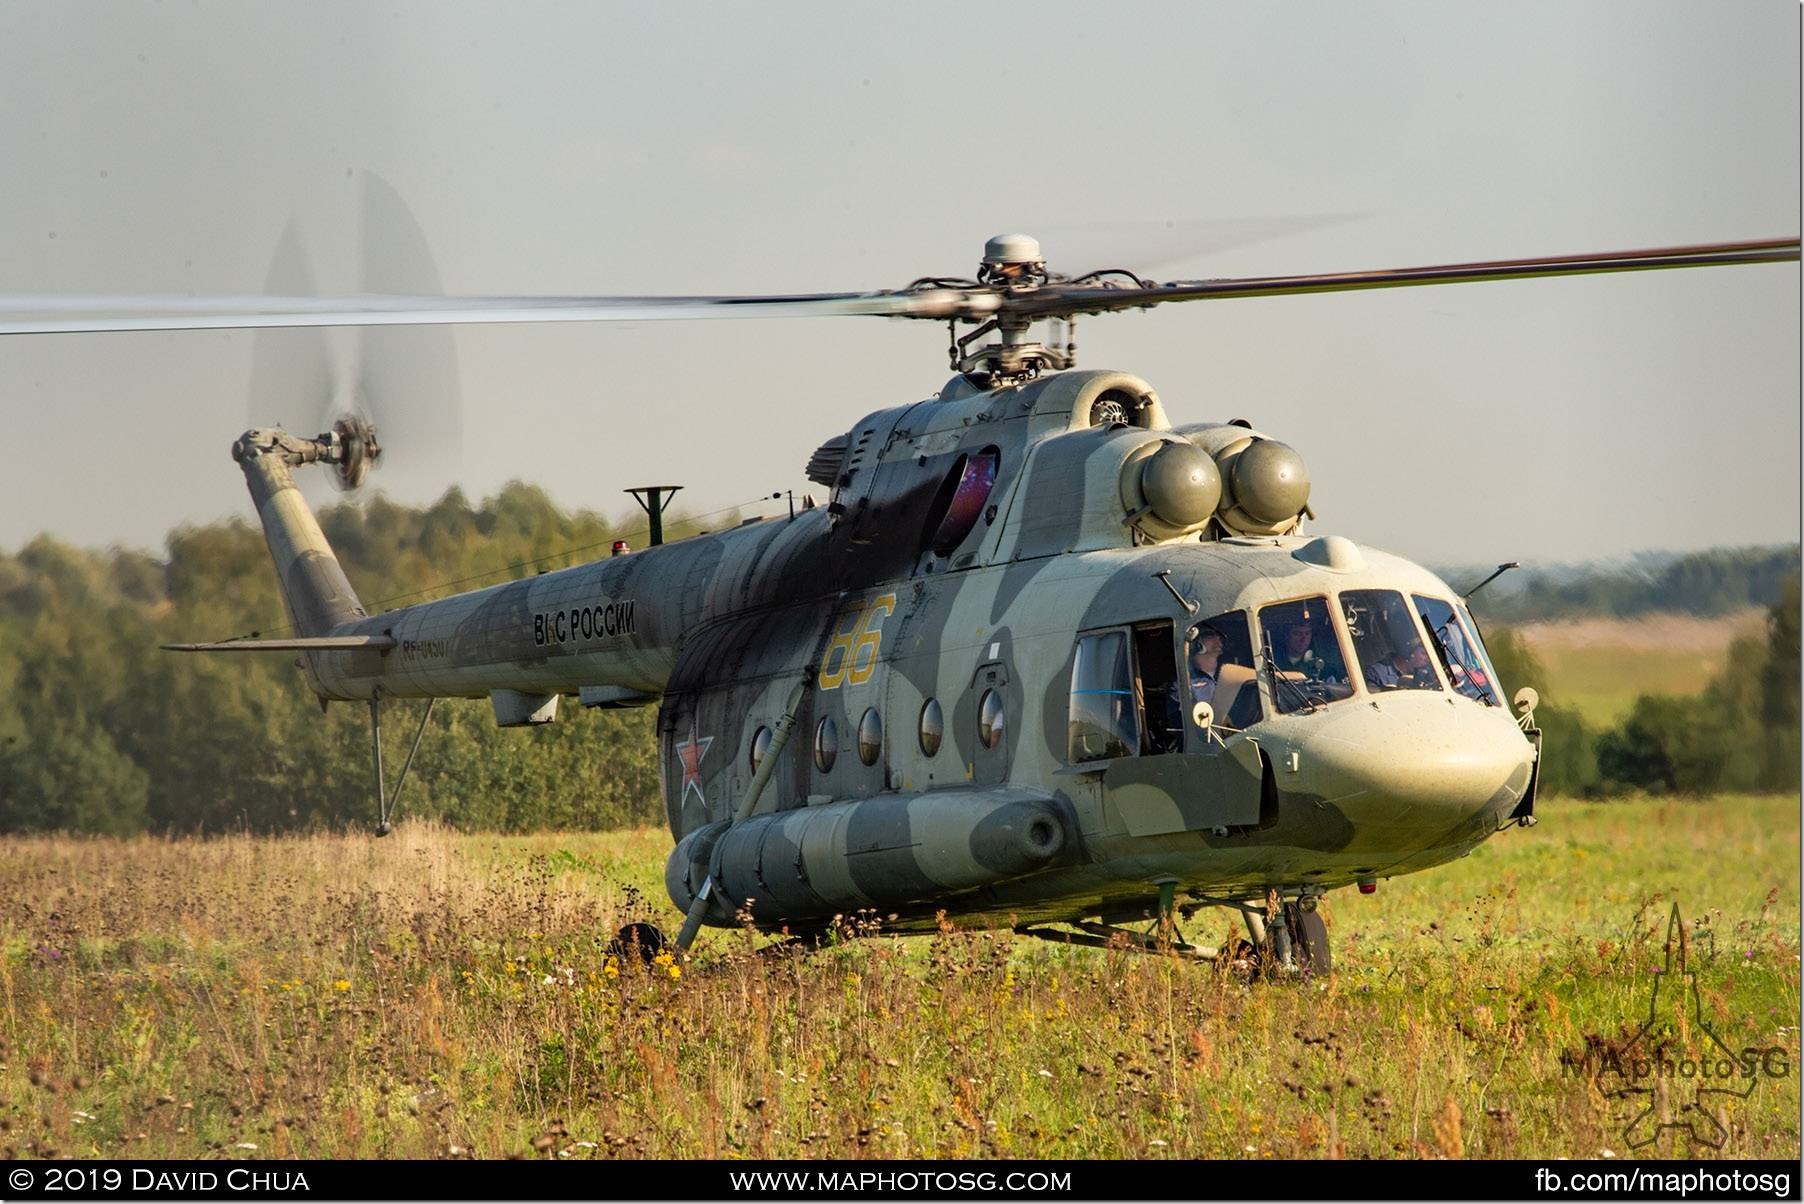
<point x="852" y="656"/>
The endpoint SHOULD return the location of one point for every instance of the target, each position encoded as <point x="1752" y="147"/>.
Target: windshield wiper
<point x="1440" y="650"/>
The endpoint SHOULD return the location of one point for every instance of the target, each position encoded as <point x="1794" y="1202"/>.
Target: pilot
<point x="1205" y="660"/>
<point x="1298" y="653"/>
<point x="1399" y="671"/>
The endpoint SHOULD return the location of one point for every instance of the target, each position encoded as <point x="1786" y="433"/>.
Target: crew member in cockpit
<point x="1297" y="655"/>
<point x="1400" y="671"/>
<point x="1205" y="661"/>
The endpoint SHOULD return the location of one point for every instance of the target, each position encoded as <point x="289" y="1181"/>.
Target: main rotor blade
<point x="1059" y="299"/>
<point x="62" y="315"/>
<point x="52" y="314"/>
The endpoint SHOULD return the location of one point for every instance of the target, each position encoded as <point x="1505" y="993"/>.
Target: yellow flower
<point x="611" y="968"/>
<point x="341" y="984"/>
<point x="676" y="971"/>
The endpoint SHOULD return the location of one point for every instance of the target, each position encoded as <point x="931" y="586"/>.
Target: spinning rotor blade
<point x="1062" y="299"/>
<point x="291" y="371"/>
<point x="1012" y="305"/>
<point x="405" y="379"/>
<point x="1152" y="247"/>
<point x="60" y="315"/>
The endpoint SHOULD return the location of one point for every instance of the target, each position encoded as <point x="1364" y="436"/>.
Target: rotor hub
<point x="353" y="449"/>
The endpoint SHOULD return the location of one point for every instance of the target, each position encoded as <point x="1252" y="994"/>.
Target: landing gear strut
<point x="385" y="802"/>
<point x="1286" y="938"/>
<point x="1289" y="938"/>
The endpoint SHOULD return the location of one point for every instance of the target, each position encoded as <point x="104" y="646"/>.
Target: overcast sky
<point x="645" y="148"/>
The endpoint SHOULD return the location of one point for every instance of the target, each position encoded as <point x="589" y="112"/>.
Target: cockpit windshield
<point x="1387" y="642"/>
<point x="1308" y="666"/>
<point x="1459" y="649"/>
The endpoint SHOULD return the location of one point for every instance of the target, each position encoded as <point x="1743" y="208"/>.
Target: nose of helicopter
<point x="1421" y="766"/>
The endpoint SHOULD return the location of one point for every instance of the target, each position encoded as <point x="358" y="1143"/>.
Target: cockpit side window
<point x="1387" y="641"/>
<point x="1456" y="646"/>
<point x="1480" y="653"/>
<point x="1218" y="656"/>
<point x="1308" y="664"/>
<point x="1104" y="720"/>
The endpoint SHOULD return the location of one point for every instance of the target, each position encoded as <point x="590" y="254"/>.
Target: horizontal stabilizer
<point x="318" y="643"/>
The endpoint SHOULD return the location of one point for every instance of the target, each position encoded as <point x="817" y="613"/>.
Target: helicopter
<point x="1042" y="660"/>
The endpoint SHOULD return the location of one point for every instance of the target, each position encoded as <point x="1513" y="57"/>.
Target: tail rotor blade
<point x="407" y="377"/>
<point x="292" y="372"/>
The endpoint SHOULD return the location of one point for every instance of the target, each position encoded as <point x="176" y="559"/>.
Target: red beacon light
<point x="1368" y="886"/>
<point x="621" y="547"/>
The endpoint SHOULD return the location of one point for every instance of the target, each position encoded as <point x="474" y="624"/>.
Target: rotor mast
<point x="1013" y="264"/>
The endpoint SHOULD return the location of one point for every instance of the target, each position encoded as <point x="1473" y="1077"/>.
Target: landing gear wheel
<point x="1308" y="940"/>
<point x="640" y="940"/>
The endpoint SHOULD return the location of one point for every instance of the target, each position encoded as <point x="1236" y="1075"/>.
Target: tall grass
<point x="438" y="995"/>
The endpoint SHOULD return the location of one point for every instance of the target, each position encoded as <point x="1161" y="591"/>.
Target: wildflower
<point x="341" y="984"/>
<point x="611" y="968"/>
<point x="675" y="970"/>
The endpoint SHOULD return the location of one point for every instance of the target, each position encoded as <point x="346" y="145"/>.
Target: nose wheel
<point x="1308" y="940"/>
<point x="1294" y="940"/>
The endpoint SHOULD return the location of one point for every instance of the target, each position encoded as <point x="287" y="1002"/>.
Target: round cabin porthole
<point x="760" y="747"/>
<point x="933" y="726"/>
<point x="990" y="719"/>
<point x="826" y="745"/>
<point x="870" y="736"/>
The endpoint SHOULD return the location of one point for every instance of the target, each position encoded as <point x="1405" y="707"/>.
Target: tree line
<point x="1718" y="581"/>
<point x="1741" y="733"/>
<point x="101" y="731"/>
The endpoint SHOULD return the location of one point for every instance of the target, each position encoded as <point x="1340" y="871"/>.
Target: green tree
<point x="70" y="778"/>
<point x="1568" y="752"/>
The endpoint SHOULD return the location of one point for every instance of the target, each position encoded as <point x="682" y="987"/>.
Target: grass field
<point x="438" y="995"/>
<point x="1598" y="666"/>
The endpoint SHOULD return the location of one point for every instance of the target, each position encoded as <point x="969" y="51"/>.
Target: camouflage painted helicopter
<point x="1042" y="659"/>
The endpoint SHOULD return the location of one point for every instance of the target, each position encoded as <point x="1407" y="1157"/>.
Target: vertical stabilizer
<point x="314" y="588"/>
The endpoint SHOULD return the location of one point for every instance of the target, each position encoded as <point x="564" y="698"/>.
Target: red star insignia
<point x="690" y="752"/>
